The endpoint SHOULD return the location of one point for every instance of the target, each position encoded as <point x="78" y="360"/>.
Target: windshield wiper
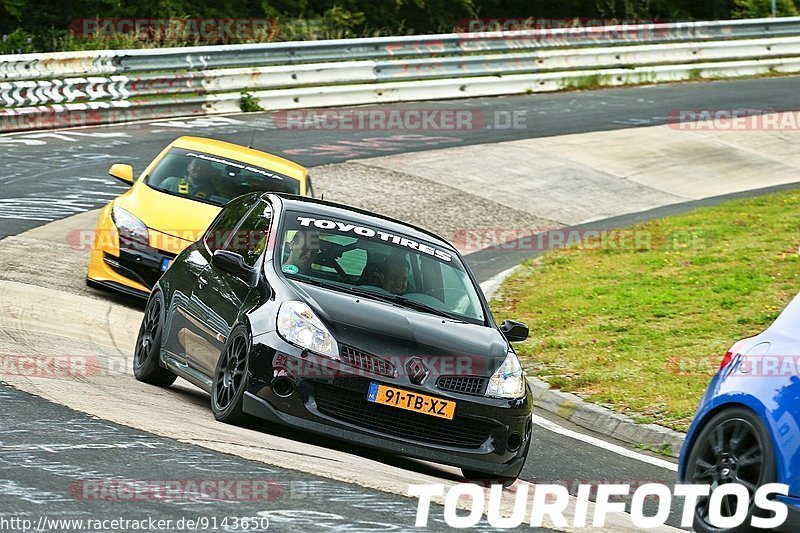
<point x="402" y="300"/>
<point x="310" y="280"/>
<point x="424" y="307"/>
<point x="358" y="291"/>
<point x="389" y="298"/>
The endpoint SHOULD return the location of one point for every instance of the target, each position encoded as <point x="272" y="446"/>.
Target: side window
<point x="353" y="261"/>
<point x="223" y="227"/>
<point x="250" y="237"/>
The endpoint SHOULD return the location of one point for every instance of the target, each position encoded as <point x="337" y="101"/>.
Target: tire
<point x="734" y="446"/>
<point x="485" y="479"/>
<point x="146" y="357"/>
<point x="230" y="377"/>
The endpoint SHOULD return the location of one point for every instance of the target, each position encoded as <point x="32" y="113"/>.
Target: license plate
<point x="165" y="263"/>
<point x="411" y="401"/>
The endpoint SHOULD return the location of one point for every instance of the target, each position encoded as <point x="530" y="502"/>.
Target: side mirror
<point x="514" y="331"/>
<point x="233" y="264"/>
<point x="123" y="173"/>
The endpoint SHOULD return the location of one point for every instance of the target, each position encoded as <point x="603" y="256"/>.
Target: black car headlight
<point x="129" y="227"/>
<point x="508" y="381"/>
<point x="298" y="324"/>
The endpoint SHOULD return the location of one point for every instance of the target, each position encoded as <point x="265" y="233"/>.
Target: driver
<point x="303" y="250"/>
<point x="393" y="275"/>
<point x="190" y="185"/>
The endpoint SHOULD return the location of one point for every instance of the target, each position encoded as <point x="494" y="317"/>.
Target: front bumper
<point x="133" y="271"/>
<point x="487" y="435"/>
<point x="131" y="268"/>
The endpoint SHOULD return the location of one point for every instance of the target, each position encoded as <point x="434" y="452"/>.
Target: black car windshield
<point x="214" y="179"/>
<point x="347" y="256"/>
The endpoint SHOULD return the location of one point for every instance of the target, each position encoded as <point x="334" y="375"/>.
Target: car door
<point x="183" y="278"/>
<point x="218" y="296"/>
<point x="184" y="336"/>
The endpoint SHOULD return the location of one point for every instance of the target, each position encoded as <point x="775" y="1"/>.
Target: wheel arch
<point x="244" y="320"/>
<point x="755" y="406"/>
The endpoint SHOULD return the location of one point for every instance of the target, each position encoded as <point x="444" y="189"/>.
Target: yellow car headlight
<point x="130" y="228"/>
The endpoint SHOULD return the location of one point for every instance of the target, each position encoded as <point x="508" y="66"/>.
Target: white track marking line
<point x="154" y="121"/>
<point x="588" y="439"/>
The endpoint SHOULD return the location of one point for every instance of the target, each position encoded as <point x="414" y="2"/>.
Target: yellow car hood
<point x="169" y="215"/>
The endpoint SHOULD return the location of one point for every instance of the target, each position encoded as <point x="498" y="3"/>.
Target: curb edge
<point x="605" y="421"/>
<point x="591" y="416"/>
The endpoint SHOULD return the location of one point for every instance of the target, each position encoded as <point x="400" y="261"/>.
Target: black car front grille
<point x="367" y="361"/>
<point x="463" y="384"/>
<point x="354" y="408"/>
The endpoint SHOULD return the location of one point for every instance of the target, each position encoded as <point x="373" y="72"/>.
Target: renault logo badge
<point x="417" y="371"/>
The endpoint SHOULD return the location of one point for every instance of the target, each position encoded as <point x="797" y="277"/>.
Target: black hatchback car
<point x="342" y="322"/>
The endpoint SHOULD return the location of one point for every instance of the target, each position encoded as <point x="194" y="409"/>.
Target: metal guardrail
<point x="82" y="88"/>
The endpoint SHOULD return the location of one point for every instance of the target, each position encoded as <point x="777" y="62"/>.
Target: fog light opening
<point x="283" y="387"/>
<point x="514" y="442"/>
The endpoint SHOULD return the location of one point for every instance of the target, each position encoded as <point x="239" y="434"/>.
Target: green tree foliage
<point x="763" y="8"/>
<point x="43" y="25"/>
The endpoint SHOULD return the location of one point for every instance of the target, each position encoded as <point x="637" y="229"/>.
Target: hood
<point x="168" y="214"/>
<point x="392" y="331"/>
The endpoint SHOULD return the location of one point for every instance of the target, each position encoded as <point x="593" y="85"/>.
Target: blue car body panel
<point x="764" y="376"/>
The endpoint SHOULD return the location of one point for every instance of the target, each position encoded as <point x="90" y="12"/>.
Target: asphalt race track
<point x="40" y="166"/>
<point x="47" y="467"/>
<point x="45" y="176"/>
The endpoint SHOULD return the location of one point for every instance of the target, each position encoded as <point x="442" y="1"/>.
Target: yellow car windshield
<point x="214" y="179"/>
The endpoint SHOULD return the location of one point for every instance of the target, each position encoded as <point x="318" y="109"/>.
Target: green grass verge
<point x="640" y="320"/>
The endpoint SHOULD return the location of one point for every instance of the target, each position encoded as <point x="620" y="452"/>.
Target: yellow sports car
<point x="173" y="202"/>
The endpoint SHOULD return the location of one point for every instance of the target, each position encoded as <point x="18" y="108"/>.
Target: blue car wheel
<point x="733" y="447"/>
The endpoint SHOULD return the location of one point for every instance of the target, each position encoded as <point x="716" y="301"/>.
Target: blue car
<point x="747" y="427"/>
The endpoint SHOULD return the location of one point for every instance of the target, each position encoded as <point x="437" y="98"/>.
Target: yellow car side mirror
<point x="123" y="173"/>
